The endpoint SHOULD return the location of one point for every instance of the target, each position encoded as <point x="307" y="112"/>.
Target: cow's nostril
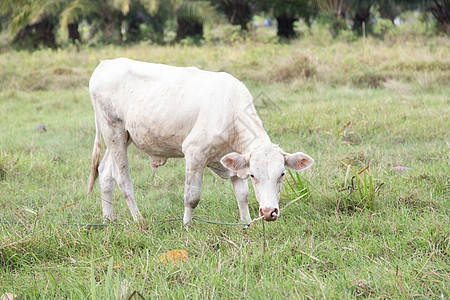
<point x="270" y="214"/>
<point x="274" y="213"/>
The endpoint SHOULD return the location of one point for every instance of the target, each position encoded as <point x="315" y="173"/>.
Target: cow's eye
<point x="282" y="174"/>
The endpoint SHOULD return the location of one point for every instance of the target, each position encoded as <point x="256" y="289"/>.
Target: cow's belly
<point x="154" y="143"/>
<point x="159" y="129"/>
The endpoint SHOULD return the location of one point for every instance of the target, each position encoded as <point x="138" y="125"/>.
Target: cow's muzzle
<point x="270" y="214"/>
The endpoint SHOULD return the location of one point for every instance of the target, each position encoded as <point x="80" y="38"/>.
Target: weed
<point x="345" y="131"/>
<point x="361" y="188"/>
<point x="7" y="164"/>
<point x="427" y="80"/>
<point x="296" y="66"/>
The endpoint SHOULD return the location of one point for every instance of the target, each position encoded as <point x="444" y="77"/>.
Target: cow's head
<point x="266" y="165"/>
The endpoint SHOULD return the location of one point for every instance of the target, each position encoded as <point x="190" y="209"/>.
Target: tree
<point x="138" y="15"/>
<point x="360" y="13"/>
<point x="441" y="11"/>
<point x="37" y="20"/>
<point x="391" y="9"/>
<point x="334" y="13"/>
<point x="31" y="20"/>
<point x="388" y="9"/>
<point x="238" y="11"/>
<point x="337" y="8"/>
<point x="74" y="34"/>
<point x="188" y="27"/>
<point x="285" y="25"/>
<point x="289" y="11"/>
<point x="190" y="17"/>
<point x="39" y="32"/>
<point x="159" y="19"/>
<point x="107" y="15"/>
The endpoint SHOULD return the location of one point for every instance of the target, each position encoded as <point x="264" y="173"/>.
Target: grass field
<point x="348" y="105"/>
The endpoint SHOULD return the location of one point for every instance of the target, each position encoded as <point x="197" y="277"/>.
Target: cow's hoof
<point x="187" y="225"/>
<point x="142" y="224"/>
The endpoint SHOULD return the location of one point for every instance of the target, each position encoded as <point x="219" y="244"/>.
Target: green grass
<point x="326" y="245"/>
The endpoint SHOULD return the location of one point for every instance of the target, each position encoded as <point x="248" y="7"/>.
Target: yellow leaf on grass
<point x="174" y="256"/>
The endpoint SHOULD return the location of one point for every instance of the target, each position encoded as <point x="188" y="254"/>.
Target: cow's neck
<point x="250" y="133"/>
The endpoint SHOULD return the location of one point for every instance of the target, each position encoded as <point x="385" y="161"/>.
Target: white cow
<point x="206" y="117"/>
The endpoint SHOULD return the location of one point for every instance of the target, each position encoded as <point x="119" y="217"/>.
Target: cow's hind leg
<point x="117" y="142"/>
<point x="106" y="180"/>
<point x="240" y="187"/>
<point x="193" y="184"/>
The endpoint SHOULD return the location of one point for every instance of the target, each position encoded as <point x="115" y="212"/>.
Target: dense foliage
<point x="35" y="23"/>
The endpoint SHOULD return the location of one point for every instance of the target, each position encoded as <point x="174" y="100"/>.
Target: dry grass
<point x="302" y="61"/>
<point x="298" y="66"/>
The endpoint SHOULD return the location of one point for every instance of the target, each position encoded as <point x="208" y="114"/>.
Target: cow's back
<point x="161" y="106"/>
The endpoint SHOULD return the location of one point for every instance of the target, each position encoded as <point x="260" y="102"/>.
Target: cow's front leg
<point x="192" y="187"/>
<point x="240" y="187"/>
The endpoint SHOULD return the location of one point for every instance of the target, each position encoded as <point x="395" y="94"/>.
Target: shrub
<point x="347" y="35"/>
<point x="334" y="24"/>
<point x="295" y="66"/>
<point x="368" y="78"/>
<point x="228" y="34"/>
<point x="383" y="27"/>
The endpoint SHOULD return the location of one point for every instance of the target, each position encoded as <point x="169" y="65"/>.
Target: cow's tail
<point x="95" y="156"/>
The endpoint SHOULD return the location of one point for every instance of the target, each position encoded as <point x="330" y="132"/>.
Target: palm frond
<point x="20" y="13"/>
<point x="41" y="8"/>
<point x="78" y="9"/>
<point x="122" y="5"/>
<point x="335" y="6"/>
<point x="202" y="11"/>
<point x="27" y="12"/>
<point x="151" y="6"/>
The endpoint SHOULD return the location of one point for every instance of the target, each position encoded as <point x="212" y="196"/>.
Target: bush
<point x="383" y="27"/>
<point x="347" y="35"/>
<point x="334" y="24"/>
<point x="321" y="35"/>
<point x="228" y="34"/>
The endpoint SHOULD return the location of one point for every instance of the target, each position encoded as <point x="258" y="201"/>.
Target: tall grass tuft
<point x="296" y="66"/>
<point x="7" y="164"/>
<point x="296" y="188"/>
<point x="362" y="189"/>
<point x="112" y="287"/>
<point x="93" y="281"/>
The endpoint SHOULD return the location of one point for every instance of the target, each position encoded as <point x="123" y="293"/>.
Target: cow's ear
<point x="298" y="161"/>
<point x="235" y="161"/>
